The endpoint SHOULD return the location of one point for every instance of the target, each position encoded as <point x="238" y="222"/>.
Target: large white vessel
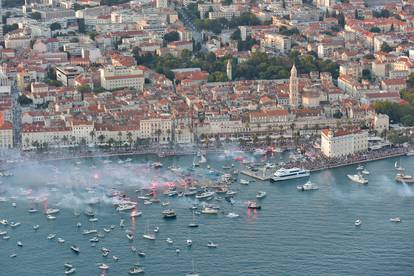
<point x="286" y="174"/>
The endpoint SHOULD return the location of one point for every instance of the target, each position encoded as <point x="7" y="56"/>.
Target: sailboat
<point x="398" y="166"/>
<point x="192" y="273"/>
<point x="193" y="224"/>
<point x="148" y="235"/>
<point x="195" y="162"/>
<point x="203" y="159"/>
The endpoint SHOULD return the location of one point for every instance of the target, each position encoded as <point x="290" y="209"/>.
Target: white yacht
<point x="232" y="215"/>
<point x="205" y="195"/>
<point x="357" y="178"/>
<point x="397" y="219"/>
<point x="244" y="181"/>
<point x="358" y="222"/>
<point x="308" y="186"/>
<point x="209" y="211"/>
<point x="365" y="171"/>
<point x="286" y="174"/>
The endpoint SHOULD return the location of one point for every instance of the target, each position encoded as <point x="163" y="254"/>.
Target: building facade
<point x="343" y="143"/>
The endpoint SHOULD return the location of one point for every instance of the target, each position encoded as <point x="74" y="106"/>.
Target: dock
<point x="259" y="175"/>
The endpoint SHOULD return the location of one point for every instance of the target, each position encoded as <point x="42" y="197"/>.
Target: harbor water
<point x="295" y="233"/>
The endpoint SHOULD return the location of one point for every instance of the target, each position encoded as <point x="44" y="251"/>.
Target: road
<point x="189" y="24"/>
<point x="16" y="117"/>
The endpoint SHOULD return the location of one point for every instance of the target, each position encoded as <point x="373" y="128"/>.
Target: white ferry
<point x="286" y="174"/>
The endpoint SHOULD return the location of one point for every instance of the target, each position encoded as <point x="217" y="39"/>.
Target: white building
<point x="161" y="3"/>
<point x="157" y="128"/>
<point x="113" y="77"/>
<point x="342" y="143"/>
<point x="6" y="135"/>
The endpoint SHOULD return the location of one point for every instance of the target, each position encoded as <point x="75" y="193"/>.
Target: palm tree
<point x="129" y="137"/>
<point x="92" y="134"/>
<point x="101" y="138"/>
<point x="119" y="138"/>
<point x="65" y="139"/>
<point x="158" y="132"/>
<point x="73" y="139"/>
<point x="110" y="142"/>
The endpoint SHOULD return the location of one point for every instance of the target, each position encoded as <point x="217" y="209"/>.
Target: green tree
<point x="375" y="30"/>
<point x="35" y="15"/>
<point x="386" y="48"/>
<point x="171" y="36"/>
<point x="55" y="26"/>
<point x="9" y="28"/>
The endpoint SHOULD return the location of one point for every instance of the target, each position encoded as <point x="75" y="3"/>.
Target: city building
<point x="67" y="74"/>
<point x="343" y="142"/>
<point x="115" y="77"/>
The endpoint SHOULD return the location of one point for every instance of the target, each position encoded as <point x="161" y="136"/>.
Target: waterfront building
<point x="6" y="133"/>
<point x="343" y="142"/>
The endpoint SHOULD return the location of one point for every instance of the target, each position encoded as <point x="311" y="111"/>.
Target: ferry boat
<point x="169" y="214"/>
<point x="286" y="174"/>
<point x="357" y="178"/>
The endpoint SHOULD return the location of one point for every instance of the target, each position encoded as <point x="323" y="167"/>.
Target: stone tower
<point x="229" y="70"/>
<point x="293" y="87"/>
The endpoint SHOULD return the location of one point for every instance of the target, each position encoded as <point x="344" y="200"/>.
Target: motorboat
<point x="125" y="207"/>
<point x="232" y="215"/>
<point x="78" y="224"/>
<point x="52" y="211"/>
<point x="115" y="258"/>
<point x="36" y="227"/>
<point x="308" y="186"/>
<point x="404" y="178"/>
<point x="135" y="271"/>
<point x="358" y="222"/>
<point x="156" y="165"/>
<point x="70" y="271"/>
<point x="260" y="194"/>
<point x="397" y="219"/>
<point x="130" y="236"/>
<point x="33" y="210"/>
<point x="106" y="230"/>
<point x="6" y="237"/>
<point x="122" y="223"/>
<point x="60" y="240"/>
<point x="103" y="266"/>
<point x="244" y="182"/>
<point x="360" y="168"/>
<point x="135" y="213"/>
<point x="4" y="222"/>
<point x="50" y="217"/>
<point x="94" y="240"/>
<point x="93" y="219"/>
<point x="189" y="242"/>
<point x="87" y="232"/>
<point x="51" y="236"/>
<point x="169" y="214"/>
<point x="169" y="241"/>
<point x="149" y="236"/>
<point x="15" y="224"/>
<point x="141" y="254"/>
<point x="253" y="205"/>
<point x="205" y="195"/>
<point x="365" y="171"/>
<point x="286" y="174"/>
<point x="212" y="244"/>
<point x="20" y="244"/>
<point x="68" y="265"/>
<point x="209" y="211"/>
<point x="75" y="249"/>
<point x="357" y="178"/>
<point x="13" y="255"/>
<point x="190" y="193"/>
<point x="3" y="233"/>
<point x="231" y="193"/>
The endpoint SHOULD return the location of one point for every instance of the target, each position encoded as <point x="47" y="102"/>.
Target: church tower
<point x="293" y="87"/>
<point x="229" y="70"/>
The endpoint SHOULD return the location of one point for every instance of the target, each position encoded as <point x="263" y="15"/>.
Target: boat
<point x="404" y="178"/>
<point x="93" y="219"/>
<point x="193" y="273"/>
<point x="260" y="194"/>
<point x="68" y="265"/>
<point x="148" y="235"/>
<point x="190" y="193"/>
<point x="15" y="224"/>
<point x="212" y="244"/>
<point x="130" y="236"/>
<point x="253" y="205"/>
<point x="308" y="186"/>
<point x="3" y="233"/>
<point x="50" y="217"/>
<point x="398" y="167"/>
<point x="244" y="182"/>
<point x="122" y="223"/>
<point x="20" y="244"/>
<point x="78" y="224"/>
<point x="87" y="232"/>
<point x="286" y="174"/>
<point x="209" y="211"/>
<point x="141" y="254"/>
<point x="410" y="153"/>
<point x="52" y="211"/>
<point x="4" y="222"/>
<point x="156" y="165"/>
<point x="232" y="215"/>
<point x="135" y="270"/>
<point x="115" y="258"/>
<point x="360" y="168"/>
<point x="365" y="171"/>
<point x="193" y="224"/>
<point x="156" y="229"/>
<point x="75" y="249"/>
<point x="103" y="266"/>
<point x="189" y="242"/>
<point x="169" y="214"/>
<point x="231" y="193"/>
<point x="6" y="237"/>
<point x="125" y="207"/>
<point x="358" y="222"/>
<point x="51" y="236"/>
<point x="135" y="213"/>
<point x="33" y="210"/>
<point x="106" y="230"/>
<point x="205" y="195"/>
<point x="169" y="241"/>
<point x="94" y="240"/>
<point x="60" y="240"/>
<point x="397" y="219"/>
<point x="70" y="271"/>
<point x="357" y="178"/>
<point x="13" y="255"/>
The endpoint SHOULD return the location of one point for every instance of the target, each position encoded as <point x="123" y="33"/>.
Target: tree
<point x="386" y="48"/>
<point x="101" y="138"/>
<point x="35" y="16"/>
<point x="9" y="28"/>
<point x="341" y="20"/>
<point x="129" y="137"/>
<point x="55" y="26"/>
<point x="236" y="35"/>
<point x="24" y="100"/>
<point x="408" y="120"/>
<point x="366" y="74"/>
<point x="171" y="36"/>
<point x="375" y="30"/>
